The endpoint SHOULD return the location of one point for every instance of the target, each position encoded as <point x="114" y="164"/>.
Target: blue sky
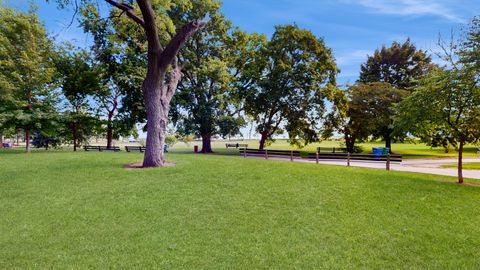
<point x="352" y="28"/>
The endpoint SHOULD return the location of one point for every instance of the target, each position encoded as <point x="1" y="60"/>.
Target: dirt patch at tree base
<point x="139" y="165"/>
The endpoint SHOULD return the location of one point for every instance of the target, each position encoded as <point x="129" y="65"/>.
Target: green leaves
<point x="400" y="65"/>
<point x="206" y="101"/>
<point x="291" y="77"/>
<point x="445" y="102"/>
<point x="27" y="72"/>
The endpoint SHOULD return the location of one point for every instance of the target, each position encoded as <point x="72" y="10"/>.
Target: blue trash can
<point x="377" y="152"/>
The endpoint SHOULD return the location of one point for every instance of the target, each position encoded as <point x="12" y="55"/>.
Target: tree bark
<point x="27" y="140"/>
<point x="207" y="144"/>
<point x="157" y="92"/>
<point x="1" y="140"/>
<point x="156" y="123"/>
<point x="350" y="144"/>
<point x="460" y="162"/>
<point x="109" y="134"/>
<point x="74" y="135"/>
<point x="263" y="141"/>
<point x="388" y="142"/>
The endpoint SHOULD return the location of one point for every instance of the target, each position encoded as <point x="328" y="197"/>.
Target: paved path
<point x="428" y="166"/>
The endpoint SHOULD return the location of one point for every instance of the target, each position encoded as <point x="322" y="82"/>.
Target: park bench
<point x="112" y="148"/>
<point x="236" y="145"/>
<point x="101" y="148"/>
<point x="389" y="158"/>
<point x="140" y="149"/>
<point x="266" y="153"/>
<point x="331" y="149"/>
<point x="91" y="148"/>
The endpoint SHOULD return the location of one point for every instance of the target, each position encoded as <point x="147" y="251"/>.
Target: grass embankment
<point x="466" y="166"/>
<point x="84" y="210"/>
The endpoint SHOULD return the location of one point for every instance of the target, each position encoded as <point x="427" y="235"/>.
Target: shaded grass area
<point x="466" y="166"/>
<point x="83" y="210"/>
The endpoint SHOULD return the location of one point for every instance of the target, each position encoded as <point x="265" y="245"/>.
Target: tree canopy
<point x="399" y="65"/>
<point x="446" y="102"/>
<point x="293" y="74"/>
<point x="26" y="73"/>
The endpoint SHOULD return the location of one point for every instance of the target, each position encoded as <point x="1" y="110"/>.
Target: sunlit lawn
<point x="466" y="166"/>
<point x="65" y="210"/>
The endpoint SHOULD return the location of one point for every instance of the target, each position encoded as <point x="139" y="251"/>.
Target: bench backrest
<point x="332" y="149"/>
<point x="100" y="148"/>
<point x="268" y="152"/>
<point x="364" y="157"/>
<point x="135" y="148"/>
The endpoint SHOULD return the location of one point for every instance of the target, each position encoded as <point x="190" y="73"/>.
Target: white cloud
<point x="411" y="8"/>
<point x="353" y="57"/>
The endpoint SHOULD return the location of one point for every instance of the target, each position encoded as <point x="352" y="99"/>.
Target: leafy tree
<point x="164" y="40"/>
<point x="80" y="127"/>
<point x="229" y="126"/>
<point x="27" y="72"/>
<point x="7" y="104"/>
<point x="446" y="104"/>
<point x="372" y="108"/>
<point x="80" y="81"/>
<point x="41" y="140"/>
<point x="399" y="65"/>
<point x="343" y="119"/>
<point x="205" y="100"/>
<point x="362" y="111"/>
<point x="293" y="74"/>
<point x="446" y="101"/>
<point x="114" y="58"/>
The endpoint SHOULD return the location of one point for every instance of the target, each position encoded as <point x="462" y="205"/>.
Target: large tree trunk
<point x="460" y="162"/>
<point x="110" y="115"/>
<point x="156" y="122"/>
<point x="1" y="140"/>
<point x="109" y="134"/>
<point x="27" y="140"/>
<point x="350" y="144"/>
<point x="263" y="141"/>
<point x="388" y="142"/>
<point x="206" y="144"/>
<point x="74" y="135"/>
<point x="157" y="93"/>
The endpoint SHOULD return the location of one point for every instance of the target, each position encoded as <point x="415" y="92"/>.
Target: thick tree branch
<point x="174" y="77"/>
<point x="174" y="46"/>
<point x="129" y="10"/>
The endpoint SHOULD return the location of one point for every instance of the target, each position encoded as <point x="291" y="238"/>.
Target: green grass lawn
<point x="65" y="210"/>
<point x="466" y="166"/>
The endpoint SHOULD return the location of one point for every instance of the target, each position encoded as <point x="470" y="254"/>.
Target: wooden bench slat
<point x="140" y="149"/>
<point x="101" y="148"/>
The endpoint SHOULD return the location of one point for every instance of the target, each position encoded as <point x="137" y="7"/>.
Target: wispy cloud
<point x="412" y="8"/>
<point x="352" y="57"/>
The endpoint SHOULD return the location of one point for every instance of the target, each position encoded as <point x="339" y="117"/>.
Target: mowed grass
<point x="408" y="150"/>
<point x="65" y="210"/>
<point x="466" y="166"/>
